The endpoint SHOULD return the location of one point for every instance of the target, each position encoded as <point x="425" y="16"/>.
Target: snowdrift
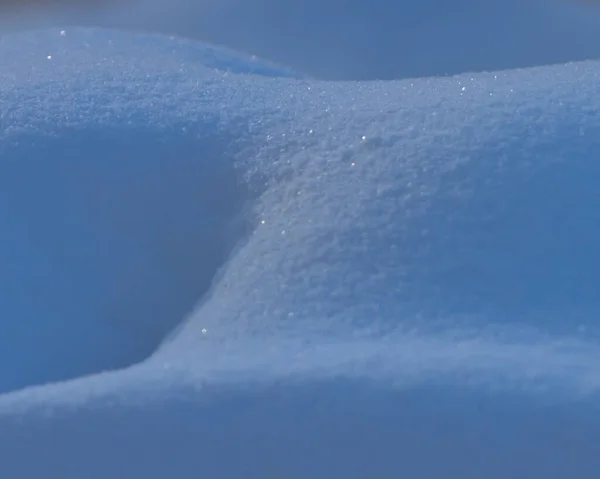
<point x="212" y="266"/>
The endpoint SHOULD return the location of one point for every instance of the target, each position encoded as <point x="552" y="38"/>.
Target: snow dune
<point x="212" y="267"/>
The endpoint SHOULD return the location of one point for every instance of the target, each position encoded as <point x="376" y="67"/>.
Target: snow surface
<point x="213" y="267"/>
<point x="357" y="39"/>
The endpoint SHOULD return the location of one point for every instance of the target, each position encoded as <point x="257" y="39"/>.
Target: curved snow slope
<point x="114" y="218"/>
<point x="354" y="39"/>
<point x="383" y="279"/>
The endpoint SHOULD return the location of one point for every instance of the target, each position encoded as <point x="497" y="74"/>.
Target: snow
<point x="352" y="39"/>
<point x="214" y="266"/>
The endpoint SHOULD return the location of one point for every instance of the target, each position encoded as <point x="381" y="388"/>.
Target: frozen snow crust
<point x="323" y="274"/>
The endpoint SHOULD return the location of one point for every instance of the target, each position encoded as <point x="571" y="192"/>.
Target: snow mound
<point x="294" y="278"/>
<point x="446" y="225"/>
<point x="115" y="219"/>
